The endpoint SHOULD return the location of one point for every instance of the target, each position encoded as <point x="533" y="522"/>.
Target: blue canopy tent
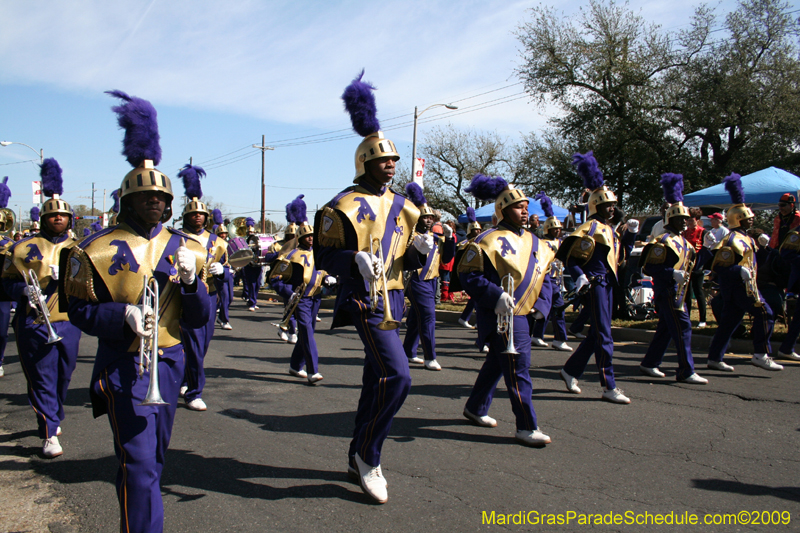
<point x="762" y="190"/>
<point x="484" y="214"/>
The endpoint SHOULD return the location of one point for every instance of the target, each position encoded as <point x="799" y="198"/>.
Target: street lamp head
<point x="451" y="106"/>
<point x="5" y="143"/>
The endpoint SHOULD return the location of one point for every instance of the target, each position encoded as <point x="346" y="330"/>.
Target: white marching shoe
<point x="790" y="356"/>
<point x="536" y="341"/>
<point x="764" y="361"/>
<point x="571" y="383"/>
<point x="282" y="335"/>
<point x="485" y="348"/>
<point x="197" y="405"/>
<point x="319" y="319"/>
<point x="253" y="309"/>
<point x="694" y="379"/>
<point x="532" y="438"/>
<point x="227" y="325"/>
<point x="372" y="481"/>
<point x="615" y="396"/>
<point x="432" y="365"/>
<point x="51" y="448"/>
<point x="482" y="421"/>
<point x="416" y="360"/>
<point x="561" y="346"/>
<point x="58" y="431"/>
<point x="293" y="338"/>
<point x="2" y="372"/>
<point x="182" y="392"/>
<point x="298" y="373"/>
<point x="316" y="377"/>
<point x="652" y="372"/>
<point x="720" y="365"/>
<point x="578" y="335"/>
<point x="465" y="323"/>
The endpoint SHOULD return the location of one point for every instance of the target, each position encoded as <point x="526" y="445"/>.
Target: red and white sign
<point x="38" y="197"/>
<point x="418" y="171"/>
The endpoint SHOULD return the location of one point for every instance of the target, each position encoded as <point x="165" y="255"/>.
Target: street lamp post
<point x="40" y="153"/>
<point x="263" y="149"/>
<point x="414" y="143"/>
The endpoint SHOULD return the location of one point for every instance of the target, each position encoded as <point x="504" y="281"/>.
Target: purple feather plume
<point x="5" y="192"/>
<point x="86" y="232"/>
<point x="485" y="187"/>
<point x="415" y="194"/>
<point x="216" y="216"/>
<point x="471" y="218"/>
<point x="249" y="222"/>
<point x="139" y="120"/>
<point x="96" y="226"/>
<point x="51" y="178"/>
<point x="588" y="170"/>
<point x="360" y="103"/>
<point x="546" y="203"/>
<point x="296" y="210"/>
<point x="115" y="196"/>
<point x="34" y="214"/>
<point x="191" y="180"/>
<point x="733" y="184"/>
<point x="673" y="187"/>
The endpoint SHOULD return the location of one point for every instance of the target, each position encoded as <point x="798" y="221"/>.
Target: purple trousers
<point x="305" y="351"/>
<point x="421" y="321"/>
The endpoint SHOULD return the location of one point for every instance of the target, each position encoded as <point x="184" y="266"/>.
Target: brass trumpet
<point x="40" y="304"/>
<point x="291" y="305"/>
<point x="683" y="287"/>
<point x="505" y="322"/>
<point x="148" y="347"/>
<point x="388" y="322"/>
<point x="751" y="288"/>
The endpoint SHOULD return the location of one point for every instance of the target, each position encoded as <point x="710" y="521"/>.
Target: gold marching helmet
<point x="359" y="101"/>
<point x="547" y="206"/>
<point x="508" y="197"/>
<point x="141" y="148"/>
<point x="53" y="187"/>
<point x="7" y="217"/>
<point x="739" y="211"/>
<point x="487" y="188"/>
<point x="191" y="182"/>
<point x="592" y="177"/>
<point x="221" y="229"/>
<point x="672" y="184"/>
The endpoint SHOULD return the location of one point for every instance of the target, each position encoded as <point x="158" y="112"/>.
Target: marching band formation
<point x="153" y="294"/>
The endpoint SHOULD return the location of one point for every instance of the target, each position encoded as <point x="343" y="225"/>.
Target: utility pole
<point x="92" y="198"/>
<point x="263" y="149"/>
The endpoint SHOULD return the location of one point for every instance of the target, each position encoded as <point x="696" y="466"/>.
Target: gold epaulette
<point x="79" y="280"/>
<point x="282" y="270"/>
<point x="791" y="243"/>
<point x="724" y="257"/>
<point x="655" y="253"/>
<point x="472" y="260"/>
<point x="582" y="249"/>
<point x="331" y="232"/>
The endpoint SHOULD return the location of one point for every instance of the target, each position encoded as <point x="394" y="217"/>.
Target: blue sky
<point x="221" y="74"/>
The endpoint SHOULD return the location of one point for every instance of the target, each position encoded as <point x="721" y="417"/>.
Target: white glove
<point x="504" y="305"/>
<point x="27" y="292"/>
<point x="709" y="240"/>
<point x="746" y="274"/>
<point x="368" y="265"/>
<point x="423" y="243"/>
<point x="329" y="281"/>
<point x="54" y="272"/>
<point x="763" y="240"/>
<point x="538" y="315"/>
<point x="448" y="231"/>
<point x="633" y="225"/>
<point x="216" y="269"/>
<point x="581" y="282"/>
<point x="678" y="276"/>
<point x="186" y="263"/>
<point x="133" y="316"/>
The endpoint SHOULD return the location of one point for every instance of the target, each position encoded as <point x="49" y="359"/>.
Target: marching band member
<point x="734" y="266"/>
<point x="104" y="282"/>
<point x="421" y="291"/>
<point x="790" y="254"/>
<point x="279" y="249"/>
<point x="6" y="226"/>
<point x="593" y="250"/>
<point x="552" y="237"/>
<point x="196" y="340"/>
<point x="300" y="284"/>
<point x="364" y="216"/>
<point x="224" y="282"/>
<point x="251" y="274"/>
<point x="35" y="216"/>
<point x="670" y="259"/>
<point x="507" y="251"/>
<point x="473" y="230"/>
<point x="48" y="365"/>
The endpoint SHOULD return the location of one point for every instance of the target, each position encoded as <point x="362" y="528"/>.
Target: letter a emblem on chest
<point x="124" y="256"/>
<point x="33" y="253"/>
<point x="506" y="247"/>
<point x="364" y="210"/>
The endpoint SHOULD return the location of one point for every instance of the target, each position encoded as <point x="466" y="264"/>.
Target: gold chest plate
<point x="594" y="232"/>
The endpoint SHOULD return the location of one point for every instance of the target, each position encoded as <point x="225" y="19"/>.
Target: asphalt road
<point x="270" y="453"/>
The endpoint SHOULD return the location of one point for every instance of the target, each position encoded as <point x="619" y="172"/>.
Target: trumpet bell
<point x="388" y="325"/>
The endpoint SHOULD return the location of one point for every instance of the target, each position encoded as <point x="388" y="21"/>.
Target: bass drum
<point x="239" y="252"/>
